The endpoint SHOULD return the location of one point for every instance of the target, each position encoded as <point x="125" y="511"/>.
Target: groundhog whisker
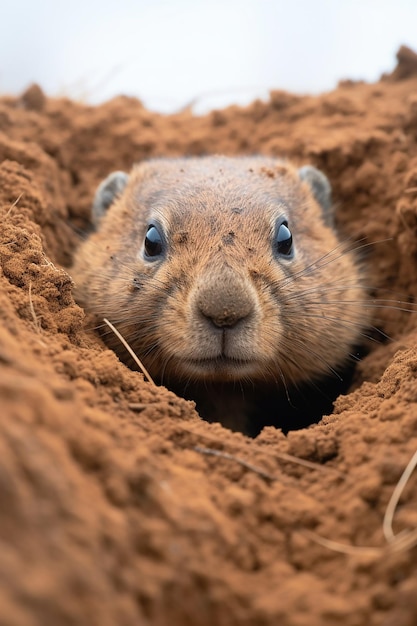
<point x="165" y="363"/>
<point x="328" y="287"/>
<point x="315" y="265"/>
<point x="396" y="297"/>
<point x="370" y="305"/>
<point x="317" y="356"/>
<point x="286" y="356"/>
<point x="348" y="324"/>
<point x="333" y="256"/>
<point x="358" y="324"/>
<point x="327" y="258"/>
<point x="352" y="305"/>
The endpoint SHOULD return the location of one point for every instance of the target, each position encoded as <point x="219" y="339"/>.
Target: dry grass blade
<point x="32" y="310"/>
<point x="129" y="349"/>
<point x="400" y="543"/>
<point x="396" y="495"/>
<point x="13" y="205"/>
<point x="405" y="540"/>
<point x="283" y="456"/>
<point x="303" y="462"/>
<point x="231" y="457"/>
<point x="344" y="548"/>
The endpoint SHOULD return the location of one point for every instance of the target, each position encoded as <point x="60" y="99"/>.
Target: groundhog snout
<point x="224" y="298"/>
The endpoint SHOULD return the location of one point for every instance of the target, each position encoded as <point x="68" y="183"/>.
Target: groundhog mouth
<point x="222" y="366"/>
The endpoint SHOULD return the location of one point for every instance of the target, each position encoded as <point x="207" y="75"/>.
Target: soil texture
<point x="119" y="505"/>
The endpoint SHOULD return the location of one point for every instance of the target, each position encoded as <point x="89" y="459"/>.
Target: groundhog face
<point x="218" y="269"/>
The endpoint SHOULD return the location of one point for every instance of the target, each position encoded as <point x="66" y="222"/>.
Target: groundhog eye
<point x="283" y="240"/>
<point x="154" y="244"/>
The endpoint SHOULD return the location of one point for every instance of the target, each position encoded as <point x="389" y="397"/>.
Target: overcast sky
<point x="168" y="52"/>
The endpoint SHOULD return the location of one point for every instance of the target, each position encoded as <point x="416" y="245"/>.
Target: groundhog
<point x="228" y="279"/>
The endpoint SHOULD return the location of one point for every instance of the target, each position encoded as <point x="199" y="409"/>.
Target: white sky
<point x="168" y="52"/>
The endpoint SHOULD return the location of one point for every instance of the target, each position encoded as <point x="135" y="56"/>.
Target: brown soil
<point x="114" y="515"/>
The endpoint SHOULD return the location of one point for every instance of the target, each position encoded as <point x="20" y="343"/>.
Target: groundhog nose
<point x="224" y="298"/>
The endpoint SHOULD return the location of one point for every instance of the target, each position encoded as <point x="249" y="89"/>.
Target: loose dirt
<point x="114" y="509"/>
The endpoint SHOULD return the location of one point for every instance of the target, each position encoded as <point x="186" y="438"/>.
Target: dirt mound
<point x="118" y="504"/>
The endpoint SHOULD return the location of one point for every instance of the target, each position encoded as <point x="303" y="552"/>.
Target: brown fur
<point x="300" y="317"/>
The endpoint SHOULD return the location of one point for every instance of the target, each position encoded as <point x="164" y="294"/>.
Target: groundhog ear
<point x="321" y="189"/>
<point x="106" y="193"/>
